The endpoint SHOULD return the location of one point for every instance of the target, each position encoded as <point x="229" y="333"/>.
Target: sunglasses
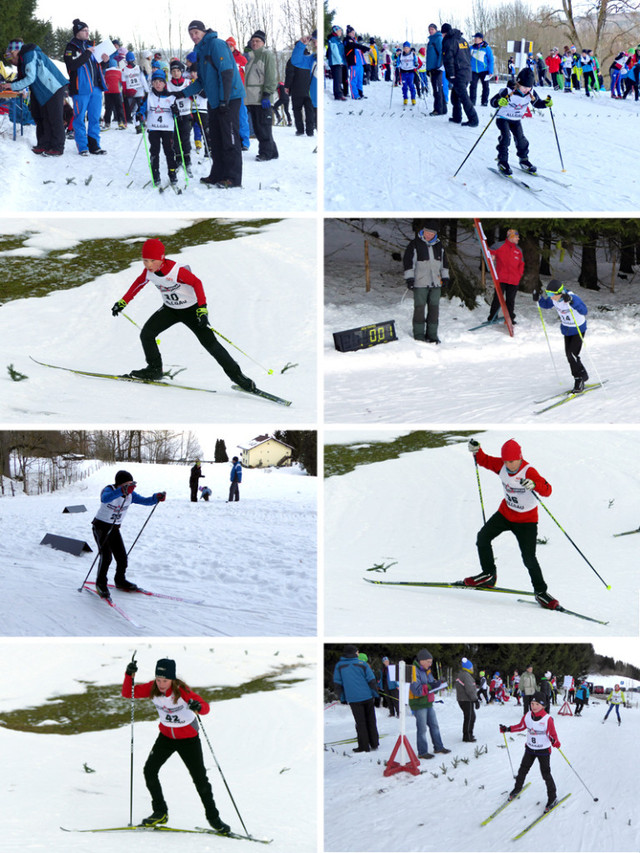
<point x="555" y="292"/>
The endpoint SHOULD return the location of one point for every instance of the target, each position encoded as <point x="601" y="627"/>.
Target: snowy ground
<point x="257" y="298"/>
<point x="405" y="812"/>
<point x="481" y="376"/>
<point x="422" y="511"/>
<point x="276" y="764"/>
<point x="109" y="183"/>
<point x="252" y="562"/>
<point x="379" y="157"/>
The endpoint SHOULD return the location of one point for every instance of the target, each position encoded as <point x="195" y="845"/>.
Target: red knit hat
<point x="153" y="250"/>
<point x="511" y="451"/>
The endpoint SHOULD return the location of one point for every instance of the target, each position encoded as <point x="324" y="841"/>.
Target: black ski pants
<point x="304" y="113"/>
<point x="579" y="706"/>
<point x="479" y="77"/>
<point x="507" y="129"/>
<point x="544" y="759"/>
<point x="110" y="546"/>
<point x="460" y="100"/>
<point x="439" y="105"/>
<point x="225" y="143"/>
<point x="182" y="140"/>
<point x="190" y="751"/>
<point x="262" y="127"/>
<point x="364" y="714"/>
<point x="166" y="317"/>
<point x="113" y="106"/>
<point x="572" y="347"/>
<point x="509" y="292"/>
<point x="469" y="718"/>
<point x="49" y="121"/>
<point x="234" y="492"/>
<point x="525" y="532"/>
<point x="162" y="138"/>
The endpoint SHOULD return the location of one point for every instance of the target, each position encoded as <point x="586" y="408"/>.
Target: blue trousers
<point x="91" y="107"/>
<point x="408" y="84"/>
<point x="427" y="717"/>
<point x="244" y="125"/>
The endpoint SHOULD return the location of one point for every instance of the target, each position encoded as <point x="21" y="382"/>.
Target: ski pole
<point x="544" y="326"/>
<point x="204" y="136"/>
<point x="220" y="335"/>
<point x="142" y="528"/>
<point x="184" y="165"/>
<point x="81" y="587"/>
<point x="475" y="143"/>
<point x="392" y="76"/>
<point x="134" y="157"/>
<point x="582" y="339"/>
<point x="608" y="586"/>
<point x="504" y="735"/>
<point x="131" y="320"/>
<point x="146" y="148"/>
<point x="221" y="773"/>
<point x="475" y="462"/>
<point x="133" y="660"/>
<point x="595" y="799"/>
<point x="553" y="122"/>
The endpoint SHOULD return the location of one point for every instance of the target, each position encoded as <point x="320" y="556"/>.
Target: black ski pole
<point x="81" y="587"/>
<point x="134" y="157"/>
<point x="475" y="143"/>
<point x="608" y="586"/>
<point x="221" y="773"/>
<point x="142" y="528"/>
<point x="133" y="678"/>
<point x="553" y="122"/>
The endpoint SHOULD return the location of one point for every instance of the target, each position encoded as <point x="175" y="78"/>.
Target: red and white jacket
<point x="519" y="504"/>
<point x="178" y="286"/>
<point x="177" y="720"/>
<point x="541" y="731"/>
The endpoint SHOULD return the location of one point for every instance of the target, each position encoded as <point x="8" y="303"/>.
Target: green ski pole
<point x="146" y="148"/>
<point x="553" y="361"/>
<point x="220" y="335"/>
<point x="184" y="165"/>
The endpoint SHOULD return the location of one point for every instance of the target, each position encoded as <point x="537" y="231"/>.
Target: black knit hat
<point x="78" y="25"/>
<point x="260" y="34"/>
<point x="350" y="651"/>
<point x="123" y="477"/>
<point x="539" y="697"/>
<point x="424" y="654"/>
<point x="166" y="668"/>
<point x="445" y="28"/>
<point x="175" y="63"/>
<point x="197" y="25"/>
<point x="525" y="78"/>
<point x="478" y="36"/>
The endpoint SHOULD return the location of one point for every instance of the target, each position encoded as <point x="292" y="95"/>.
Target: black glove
<point x="410" y="283"/>
<point x="223" y="107"/>
<point x="161" y="496"/>
<point x="445" y="283"/>
<point x="195" y="705"/>
<point x="132" y="668"/>
<point x="175" y="112"/>
<point x="535" y="295"/>
<point x="118" y="306"/>
<point x="477" y="704"/>
<point x="504" y="729"/>
<point x="566" y="297"/>
<point x="473" y="446"/>
<point x="202" y="313"/>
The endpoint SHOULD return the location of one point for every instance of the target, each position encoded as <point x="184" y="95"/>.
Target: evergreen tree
<point x="220" y="453"/>
<point x="305" y="448"/>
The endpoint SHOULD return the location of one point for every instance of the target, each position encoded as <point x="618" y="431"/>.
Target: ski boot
<point x="547" y="601"/>
<point x="405" y="102"/>
<point x="514" y="794"/>
<point x="125" y="585"/>
<point x="148" y="373"/>
<point x="504" y="167"/>
<point x="159" y="816"/>
<point x="103" y="590"/>
<point x="578" y="385"/>
<point x="245" y="383"/>
<point x="189" y="172"/>
<point x="173" y="177"/>
<point x="528" y="166"/>
<point x="198" y="143"/>
<point x="216" y="823"/>
<point x="550" y="804"/>
<point x="485" y="580"/>
<point x="413" y="102"/>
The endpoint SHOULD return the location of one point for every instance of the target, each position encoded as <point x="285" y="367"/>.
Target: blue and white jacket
<point x="236" y="472"/>
<point x="481" y="58"/>
<point x="355" y="680"/>
<point x="567" y="311"/>
<point x="37" y="72"/>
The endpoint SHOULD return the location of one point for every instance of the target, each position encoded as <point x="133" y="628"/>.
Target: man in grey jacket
<point x="426" y="273"/>
<point x="528" y="687"/>
<point x="261" y="81"/>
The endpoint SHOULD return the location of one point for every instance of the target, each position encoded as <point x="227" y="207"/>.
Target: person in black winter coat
<point x="298" y="80"/>
<point x="283" y="101"/>
<point x="456" y="57"/>
<point x="196" y="474"/>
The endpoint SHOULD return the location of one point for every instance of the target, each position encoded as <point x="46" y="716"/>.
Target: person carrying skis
<point x="511" y="104"/>
<point x="178" y="708"/>
<point x="541" y="737"/>
<point x="614" y="700"/>
<point x="236" y="478"/>
<point x="573" y="325"/>
<point x="115" y="500"/>
<point x="518" y="513"/>
<point x="408" y="65"/>
<point x="184" y="301"/>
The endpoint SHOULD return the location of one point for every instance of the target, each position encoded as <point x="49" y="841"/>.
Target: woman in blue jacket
<point x="38" y="73"/>
<point x="573" y="325"/>
<point x="481" y="69"/>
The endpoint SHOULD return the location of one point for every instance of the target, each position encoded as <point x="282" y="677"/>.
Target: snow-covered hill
<point x="257" y="298"/>
<point x="442" y="808"/>
<point x="381" y="156"/>
<point x="419" y="515"/>
<point x="47" y="780"/>
<point x="253" y="562"/>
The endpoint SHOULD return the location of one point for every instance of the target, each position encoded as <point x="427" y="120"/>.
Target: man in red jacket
<point x="510" y="267"/>
<point x="518" y="513"/>
<point x="553" y="62"/>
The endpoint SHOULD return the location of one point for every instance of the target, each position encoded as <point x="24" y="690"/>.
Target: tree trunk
<point x="545" y="257"/>
<point x="627" y="255"/>
<point x="531" y="252"/>
<point x="588" y="277"/>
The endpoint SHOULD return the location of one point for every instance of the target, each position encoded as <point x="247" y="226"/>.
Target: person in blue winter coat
<point x="356" y="686"/>
<point x="304" y="56"/>
<point x="86" y="85"/>
<point x="573" y="325"/>
<point x="218" y="75"/>
<point x="435" y="69"/>
<point x="389" y="688"/>
<point x="408" y="65"/>
<point x="115" y="500"/>
<point x="337" y="63"/>
<point x="236" y="478"/>
<point x="47" y="86"/>
<point x="481" y="69"/>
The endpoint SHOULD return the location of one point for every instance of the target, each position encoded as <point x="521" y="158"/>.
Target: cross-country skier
<point x="158" y="112"/>
<point x="115" y="500"/>
<point x="408" y="65"/>
<point x="512" y="103"/>
<point x="184" y="301"/>
<point x="177" y="706"/>
<point x="615" y="699"/>
<point x="573" y="325"/>
<point x="541" y="736"/>
<point x="518" y="513"/>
